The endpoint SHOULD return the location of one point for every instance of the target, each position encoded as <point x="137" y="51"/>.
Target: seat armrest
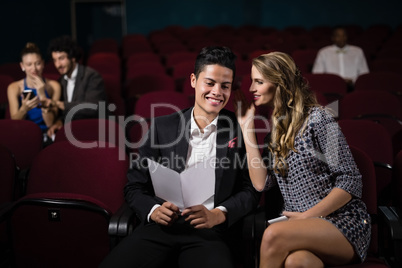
<point x="122" y="222"/>
<point x="253" y="228"/>
<point x="390" y="225"/>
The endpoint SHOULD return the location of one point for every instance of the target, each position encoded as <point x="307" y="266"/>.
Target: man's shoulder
<point x="355" y="48"/>
<point x="173" y="117"/>
<point x="326" y="49"/>
<point x="87" y="70"/>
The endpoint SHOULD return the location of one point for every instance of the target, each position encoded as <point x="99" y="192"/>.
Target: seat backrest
<point x="105" y="63"/>
<point x="12" y="69"/>
<point x="370" y="102"/>
<point x="178" y="57"/>
<point x="366" y="168"/>
<point x="370" y="137"/>
<point x="383" y="81"/>
<point x="397" y="179"/>
<point x="92" y="130"/>
<point x="159" y="103"/>
<point x="138" y="69"/>
<point x="99" y="173"/>
<point x="331" y="85"/>
<point x="5" y="80"/>
<point x="374" y="140"/>
<point x="304" y="59"/>
<point x="23" y="138"/>
<point x="108" y="45"/>
<point x="8" y="170"/>
<point x="63" y="219"/>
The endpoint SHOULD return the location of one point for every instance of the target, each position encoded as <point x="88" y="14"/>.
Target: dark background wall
<point x="41" y="20"/>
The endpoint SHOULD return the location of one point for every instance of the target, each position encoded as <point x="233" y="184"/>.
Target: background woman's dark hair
<point x="30" y="48"/>
<point x="65" y="44"/>
<point x="222" y="56"/>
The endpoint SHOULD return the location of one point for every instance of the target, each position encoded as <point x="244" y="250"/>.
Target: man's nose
<point x="217" y="90"/>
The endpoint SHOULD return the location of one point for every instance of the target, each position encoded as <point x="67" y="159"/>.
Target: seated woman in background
<point x="31" y="98"/>
<point x="326" y="221"/>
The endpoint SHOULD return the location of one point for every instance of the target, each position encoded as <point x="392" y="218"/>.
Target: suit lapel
<point x="224" y="134"/>
<point x="80" y="73"/>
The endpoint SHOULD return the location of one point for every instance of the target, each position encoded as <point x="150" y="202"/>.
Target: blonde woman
<point x="31" y="98"/>
<point x="326" y="222"/>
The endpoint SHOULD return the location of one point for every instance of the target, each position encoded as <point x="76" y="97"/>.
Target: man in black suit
<point x="80" y="84"/>
<point x="195" y="236"/>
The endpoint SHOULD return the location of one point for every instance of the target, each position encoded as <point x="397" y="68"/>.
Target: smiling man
<point x="205" y="134"/>
<point x="80" y="84"/>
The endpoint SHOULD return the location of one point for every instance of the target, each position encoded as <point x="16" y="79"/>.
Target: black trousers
<point x="179" y="245"/>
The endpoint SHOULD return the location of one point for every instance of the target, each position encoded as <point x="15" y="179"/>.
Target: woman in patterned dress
<point x="328" y="223"/>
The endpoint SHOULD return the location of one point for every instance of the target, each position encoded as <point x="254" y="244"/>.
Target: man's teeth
<point x="214" y="100"/>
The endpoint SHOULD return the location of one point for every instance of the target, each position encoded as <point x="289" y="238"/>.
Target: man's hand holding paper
<point x="192" y="187"/>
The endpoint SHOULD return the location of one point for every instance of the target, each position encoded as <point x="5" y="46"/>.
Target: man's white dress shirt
<point x="348" y="62"/>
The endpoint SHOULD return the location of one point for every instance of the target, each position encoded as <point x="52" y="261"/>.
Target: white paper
<point x="192" y="187"/>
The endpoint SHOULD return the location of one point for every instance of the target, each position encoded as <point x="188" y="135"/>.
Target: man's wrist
<point x="220" y="212"/>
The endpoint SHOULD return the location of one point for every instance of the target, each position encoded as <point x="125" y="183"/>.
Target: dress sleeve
<point x="335" y="153"/>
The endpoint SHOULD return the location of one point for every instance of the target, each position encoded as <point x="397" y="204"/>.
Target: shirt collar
<point x="73" y="74"/>
<point x="341" y="50"/>
<point x="195" y="130"/>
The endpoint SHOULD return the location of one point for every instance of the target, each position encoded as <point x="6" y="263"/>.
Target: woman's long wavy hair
<point x="292" y="101"/>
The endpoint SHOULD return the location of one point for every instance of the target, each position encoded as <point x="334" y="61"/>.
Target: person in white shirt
<point x="341" y="58"/>
<point x="205" y="134"/>
<point x="80" y="84"/>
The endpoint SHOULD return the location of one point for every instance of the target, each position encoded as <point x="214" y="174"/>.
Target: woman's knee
<point x="303" y="259"/>
<point x="273" y="237"/>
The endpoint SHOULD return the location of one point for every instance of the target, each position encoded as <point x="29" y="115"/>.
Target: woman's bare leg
<point x="315" y="235"/>
<point x="303" y="259"/>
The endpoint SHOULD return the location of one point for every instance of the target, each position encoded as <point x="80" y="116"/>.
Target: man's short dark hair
<point x="65" y="44"/>
<point x="222" y="56"/>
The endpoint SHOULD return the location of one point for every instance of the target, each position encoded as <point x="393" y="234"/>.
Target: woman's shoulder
<point x="16" y="86"/>
<point x="321" y="115"/>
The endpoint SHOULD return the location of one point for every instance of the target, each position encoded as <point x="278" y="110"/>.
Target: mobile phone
<point x="26" y="92"/>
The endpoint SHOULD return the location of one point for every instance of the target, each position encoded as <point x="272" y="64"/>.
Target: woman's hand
<point x="39" y="85"/>
<point x="295" y="215"/>
<point x="28" y="104"/>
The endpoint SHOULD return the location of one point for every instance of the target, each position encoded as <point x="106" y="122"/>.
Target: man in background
<point x="341" y="59"/>
<point x="80" y="84"/>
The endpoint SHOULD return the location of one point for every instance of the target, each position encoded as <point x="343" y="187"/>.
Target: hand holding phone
<point x="29" y="93"/>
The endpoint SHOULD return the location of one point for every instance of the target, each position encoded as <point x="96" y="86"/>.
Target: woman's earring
<point x="23" y="69"/>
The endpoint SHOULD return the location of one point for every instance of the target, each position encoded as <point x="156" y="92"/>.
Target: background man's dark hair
<point x="65" y="44"/>
<point x="222" y="56"/>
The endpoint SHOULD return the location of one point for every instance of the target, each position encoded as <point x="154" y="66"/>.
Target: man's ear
<point x="193" y="80"/>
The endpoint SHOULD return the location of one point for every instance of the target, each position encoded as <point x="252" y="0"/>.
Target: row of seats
<point x="138" y="64"/>
<point x="73" y="195"/>
<point x="24" y="138"/>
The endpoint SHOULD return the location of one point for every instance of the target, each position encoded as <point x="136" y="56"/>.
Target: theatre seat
<point x="72" y="194"/>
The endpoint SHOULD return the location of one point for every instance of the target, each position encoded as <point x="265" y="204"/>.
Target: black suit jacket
<point x="89" y="88"/>
<point x="167" y="142"/>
